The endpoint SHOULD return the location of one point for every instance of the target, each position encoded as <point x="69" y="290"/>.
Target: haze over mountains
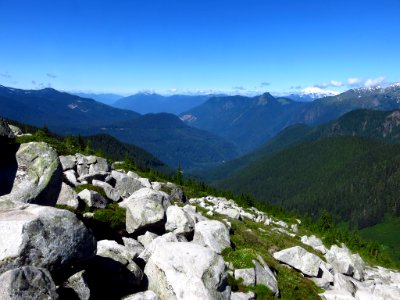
<point x="250" y="122"/>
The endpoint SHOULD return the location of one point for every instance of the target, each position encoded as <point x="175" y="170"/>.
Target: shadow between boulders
<point x="8" y="165"/>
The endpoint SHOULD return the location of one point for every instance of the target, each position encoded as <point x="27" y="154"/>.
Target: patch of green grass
<point x="113" y="215"/>
<point x="262" y="292"/>
<point x="386" y="233"/>
<point x="241" y="258"/>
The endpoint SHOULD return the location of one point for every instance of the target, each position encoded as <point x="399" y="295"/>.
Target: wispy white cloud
<point x="265" y="84"/>
<point x="239" y="88"/>
<point x="371" y="82"/>
<point x="332" y="83"/>
<point x="354" y="81"/>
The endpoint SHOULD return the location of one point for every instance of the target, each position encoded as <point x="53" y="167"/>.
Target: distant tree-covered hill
<point x="355" y="179"/>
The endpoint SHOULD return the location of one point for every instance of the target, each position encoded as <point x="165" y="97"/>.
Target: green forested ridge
<point x="356" y="179"/>
<point x="380" y="125"/>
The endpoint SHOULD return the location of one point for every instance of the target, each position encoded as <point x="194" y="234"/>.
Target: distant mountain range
<point x="163" y="135"/>
<point x="154" y="103"/>
<point x="251" y="121"/>
<point x="106" y="98"/>
<point x="60" y="111"/>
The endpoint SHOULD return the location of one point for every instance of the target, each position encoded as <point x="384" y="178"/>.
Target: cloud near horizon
<point x="371" y="82"/>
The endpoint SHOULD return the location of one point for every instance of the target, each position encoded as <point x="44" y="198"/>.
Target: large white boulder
<point x="42" y="236"/>
<point x="178" y="221"/>
<point x="39" y="175"/>
<point x="187" y="271"/>
<point x="27" y="283"/>
<point x="212" y="234"/>
<point x="145" y="209"/>
<point x="343" y="261"/>
<point x="150" y="248"/>
<point x="300" y="259"/>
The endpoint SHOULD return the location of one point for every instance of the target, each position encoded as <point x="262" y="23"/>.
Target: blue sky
<point x="190" y="46"/>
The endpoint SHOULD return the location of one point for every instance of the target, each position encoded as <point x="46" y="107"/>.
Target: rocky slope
<point x="168" y="248"/>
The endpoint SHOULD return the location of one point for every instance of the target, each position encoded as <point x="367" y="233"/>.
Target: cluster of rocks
<point x="169" y="250"/>
<point x="340" y="273"/>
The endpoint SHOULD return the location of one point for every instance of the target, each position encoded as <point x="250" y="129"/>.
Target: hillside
<point x="172" y="141"/>
<point x="61" y="112"/>
<point x="145" y="103"/>
<point x="144" y="240"/>
<point x="379" y="125"/>
<point x="353" y="178"/>
<point x="251" y="122"/>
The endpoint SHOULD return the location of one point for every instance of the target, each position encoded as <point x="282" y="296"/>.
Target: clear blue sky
<point x="238" y="45"/>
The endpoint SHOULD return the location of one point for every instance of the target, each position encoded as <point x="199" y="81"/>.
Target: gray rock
<point x="68" y="162"/>
<point x="147" y="238"/>
<point x="212" y="234"/>
<point x="125" y="269"/>
<point x="43" y="237"/>
<point x="101" y="165"/>
<point x="149" y="250"/>
<point x="70" y="177"/>
<point x="133" y="246"/>
<point x="187" y="271"/>
<point x="265" y="276"/>
<point x="145" y="182"/>
<point x="248" y="276"/>
<point x="243" y="296"/>
<point x="336" y="295"/>
<point x="175" y="192"/>
<point x="82" y="169"/>
<point x="68" y="197"/>
<point x="5" y="130"/>
<point x="147" y="295"/>
<point x="38" y="178"/>
<point x="300" y="259"/>
<point x="179" y="222"/>
<point x="118" y="175"/>
<point x="145" y="209"/>
<point x="79" y="284"/>
<point x="93" y="199"/>
<point x="16" y="130"/>
<point x="126" y="186"/>
<point x="229" y="212"/>
<point x="27" y="283"/>
<point x="343" y="261"/>
<point x="314" y="242"/>
<point x="93" y="176"/>
<point x="110" y="192"/>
